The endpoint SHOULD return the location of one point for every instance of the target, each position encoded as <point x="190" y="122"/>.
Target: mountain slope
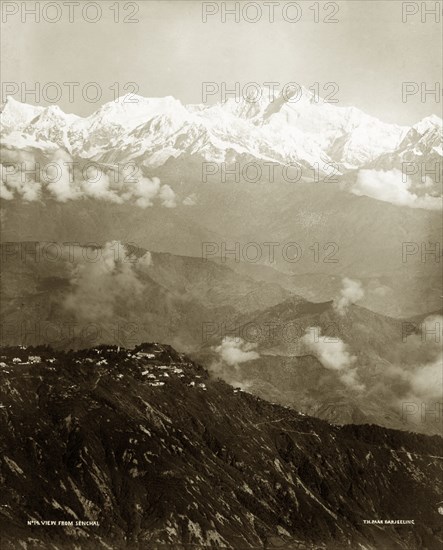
<point x="71" y="295"/>
<point x="346" y="365"/>
<point x="365" y="366"/>
<point x="145" y="444"/>
<point x="299" y="128"/>
<point x="421" y="147"/>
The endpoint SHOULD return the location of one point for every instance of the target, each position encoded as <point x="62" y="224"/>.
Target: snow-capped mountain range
<point x="308" y="131"/>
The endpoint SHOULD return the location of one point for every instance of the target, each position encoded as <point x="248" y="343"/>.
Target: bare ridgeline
<point x="221" y="319"/>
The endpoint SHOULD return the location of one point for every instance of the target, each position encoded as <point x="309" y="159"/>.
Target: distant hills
<point x="359" y="366"/>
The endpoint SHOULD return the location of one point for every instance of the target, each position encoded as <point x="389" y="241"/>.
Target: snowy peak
<point x="16" y="115"/>
<point x="132" y="110"/>
<point x="429" y="123"/>
<point x="285" y="126"/>
<point x="51" y="116"/>
<point x="424" y="136"/>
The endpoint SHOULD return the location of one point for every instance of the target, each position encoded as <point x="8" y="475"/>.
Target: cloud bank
<point x="394" y="187"/>
<point x="351" y="292"/>
<point x="231" y="353"/>
<point x="334" y="356"/>
<point x="26" y="174"/>
<point x="101" y="286"/>
<point x="417" y="372"/>
<point x="234" y="351"/>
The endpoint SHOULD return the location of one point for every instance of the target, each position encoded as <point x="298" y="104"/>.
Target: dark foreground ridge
<point x="149" y="452"/>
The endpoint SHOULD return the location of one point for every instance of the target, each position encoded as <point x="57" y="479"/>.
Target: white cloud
<point x="108" y="278"/>
<point x="427" y="380"/>
<point x="60" y="181"/>
<point x="168" y="197"/>
<point x="419" y="363"/>
<point x="14" y="180"/>
<point x="191" y="200"/>
<point x="234" y="351"/>
<point x="394" y="187"/>
<point x="350" y="293"/>
<point x="5" y="193"/>
<point x="145" y="190"/>
<point x="334" y="356"/>
<point x="29" y="176"/>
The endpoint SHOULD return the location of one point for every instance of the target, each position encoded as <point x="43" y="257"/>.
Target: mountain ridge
<point x="315" y="131"/>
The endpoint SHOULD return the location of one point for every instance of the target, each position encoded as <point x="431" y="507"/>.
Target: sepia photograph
<point x="221" y="318"/>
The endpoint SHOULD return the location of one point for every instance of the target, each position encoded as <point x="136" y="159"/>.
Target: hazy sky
<point x="369" y="53"/>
